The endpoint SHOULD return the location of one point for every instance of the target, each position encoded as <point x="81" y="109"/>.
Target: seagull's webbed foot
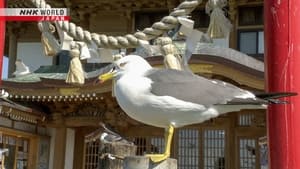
<point x="168" y="140"/>
<point x="158" y="157"/>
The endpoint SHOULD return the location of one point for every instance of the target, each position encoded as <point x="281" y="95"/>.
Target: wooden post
<point x="60" y="148"/>
<point x="79" y="150"/>
<point x="12" y="51"/>
<point x="117" y="150"/>
<point x="142" y="162"/>
<point x="2" y="161"/>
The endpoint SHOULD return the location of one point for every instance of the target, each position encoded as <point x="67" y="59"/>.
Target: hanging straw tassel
<point x="50" y="44"/>
<point x="76" y="73"/>
<point x="219" y="26"/>
<point x="172" y="58"/>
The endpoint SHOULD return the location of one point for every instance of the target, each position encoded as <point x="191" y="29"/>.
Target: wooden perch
<point x="143" y="162"/>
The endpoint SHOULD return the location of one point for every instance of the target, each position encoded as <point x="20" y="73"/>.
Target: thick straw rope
<point x="131" y="40"/>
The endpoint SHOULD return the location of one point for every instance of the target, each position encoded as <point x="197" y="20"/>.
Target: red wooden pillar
<point x="2" y="40"/>
<point x="282" y="53"/>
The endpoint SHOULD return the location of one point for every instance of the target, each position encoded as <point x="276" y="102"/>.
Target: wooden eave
<point x="73" y="93"/>
<point x="18" y="112"/>
<point x="46" y="83"/>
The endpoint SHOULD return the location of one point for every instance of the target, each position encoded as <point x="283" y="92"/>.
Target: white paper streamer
<point x="106" y="55"/>
<point x="84" y="51"/>
<point x="191" y="43"/>
<point x="187" y="26"/>
<point x="219" y="26"/>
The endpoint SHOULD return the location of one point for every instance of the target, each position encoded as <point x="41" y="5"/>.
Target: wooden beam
<point x="82" y="121"/>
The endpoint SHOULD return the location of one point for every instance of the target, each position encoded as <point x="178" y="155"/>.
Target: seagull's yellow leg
<point x="168" y="140"/>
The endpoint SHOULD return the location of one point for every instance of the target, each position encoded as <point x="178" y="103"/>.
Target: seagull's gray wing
<point x="192" y="88"/>
<point x="110" y="136"/>
<point x="109" y="130"/>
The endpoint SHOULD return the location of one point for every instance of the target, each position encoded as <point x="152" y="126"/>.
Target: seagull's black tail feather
<point x="273" y="98"/>
<point x="262" y="99"/>
<point x="275" y="95"/>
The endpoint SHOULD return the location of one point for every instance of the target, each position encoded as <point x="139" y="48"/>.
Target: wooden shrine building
<point x="67" y="113"/>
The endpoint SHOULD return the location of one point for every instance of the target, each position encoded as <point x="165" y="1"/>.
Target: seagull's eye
<point x="113" y="69"/>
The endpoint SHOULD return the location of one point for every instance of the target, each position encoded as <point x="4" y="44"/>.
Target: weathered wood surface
<point x="142" y="162"/>
<point x="118" y="151"/>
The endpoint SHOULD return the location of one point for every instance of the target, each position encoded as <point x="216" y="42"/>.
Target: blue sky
<point x="5" y="67"/>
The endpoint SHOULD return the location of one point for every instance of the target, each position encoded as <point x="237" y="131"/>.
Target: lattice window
<point x="251" y="42"/>
<point x="149" y="145"/>
<point x="247" y="153"/>
<point x="18" y="151"/>
<point x="188" y="149"/>
<point x="157" y="145"/>
<point x="141" y="143"/>
<point x="214" y="149"/>
<point x="251" y="15"/>
<point x="92" y="154"/>
<point x="246" y="119"/>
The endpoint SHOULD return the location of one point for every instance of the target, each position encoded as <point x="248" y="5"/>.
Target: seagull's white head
<point x="130" y="64"/>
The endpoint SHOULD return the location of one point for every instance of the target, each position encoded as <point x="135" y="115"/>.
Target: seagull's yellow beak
<point x="106" y="76"/>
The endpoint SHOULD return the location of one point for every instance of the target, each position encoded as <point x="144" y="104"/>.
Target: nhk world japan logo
<point x="34" y="14"/>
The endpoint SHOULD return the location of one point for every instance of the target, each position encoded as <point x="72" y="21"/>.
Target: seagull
<point x="109" y="136"/>
<point x="169" y="98"/>
<point x="3" y="150"/>
<point x="21" y="68"/>
<point x="106" y="136"/>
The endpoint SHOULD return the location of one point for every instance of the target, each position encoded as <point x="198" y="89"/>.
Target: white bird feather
<point x="3" y="150"/>
<point x="21" y="68"/>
